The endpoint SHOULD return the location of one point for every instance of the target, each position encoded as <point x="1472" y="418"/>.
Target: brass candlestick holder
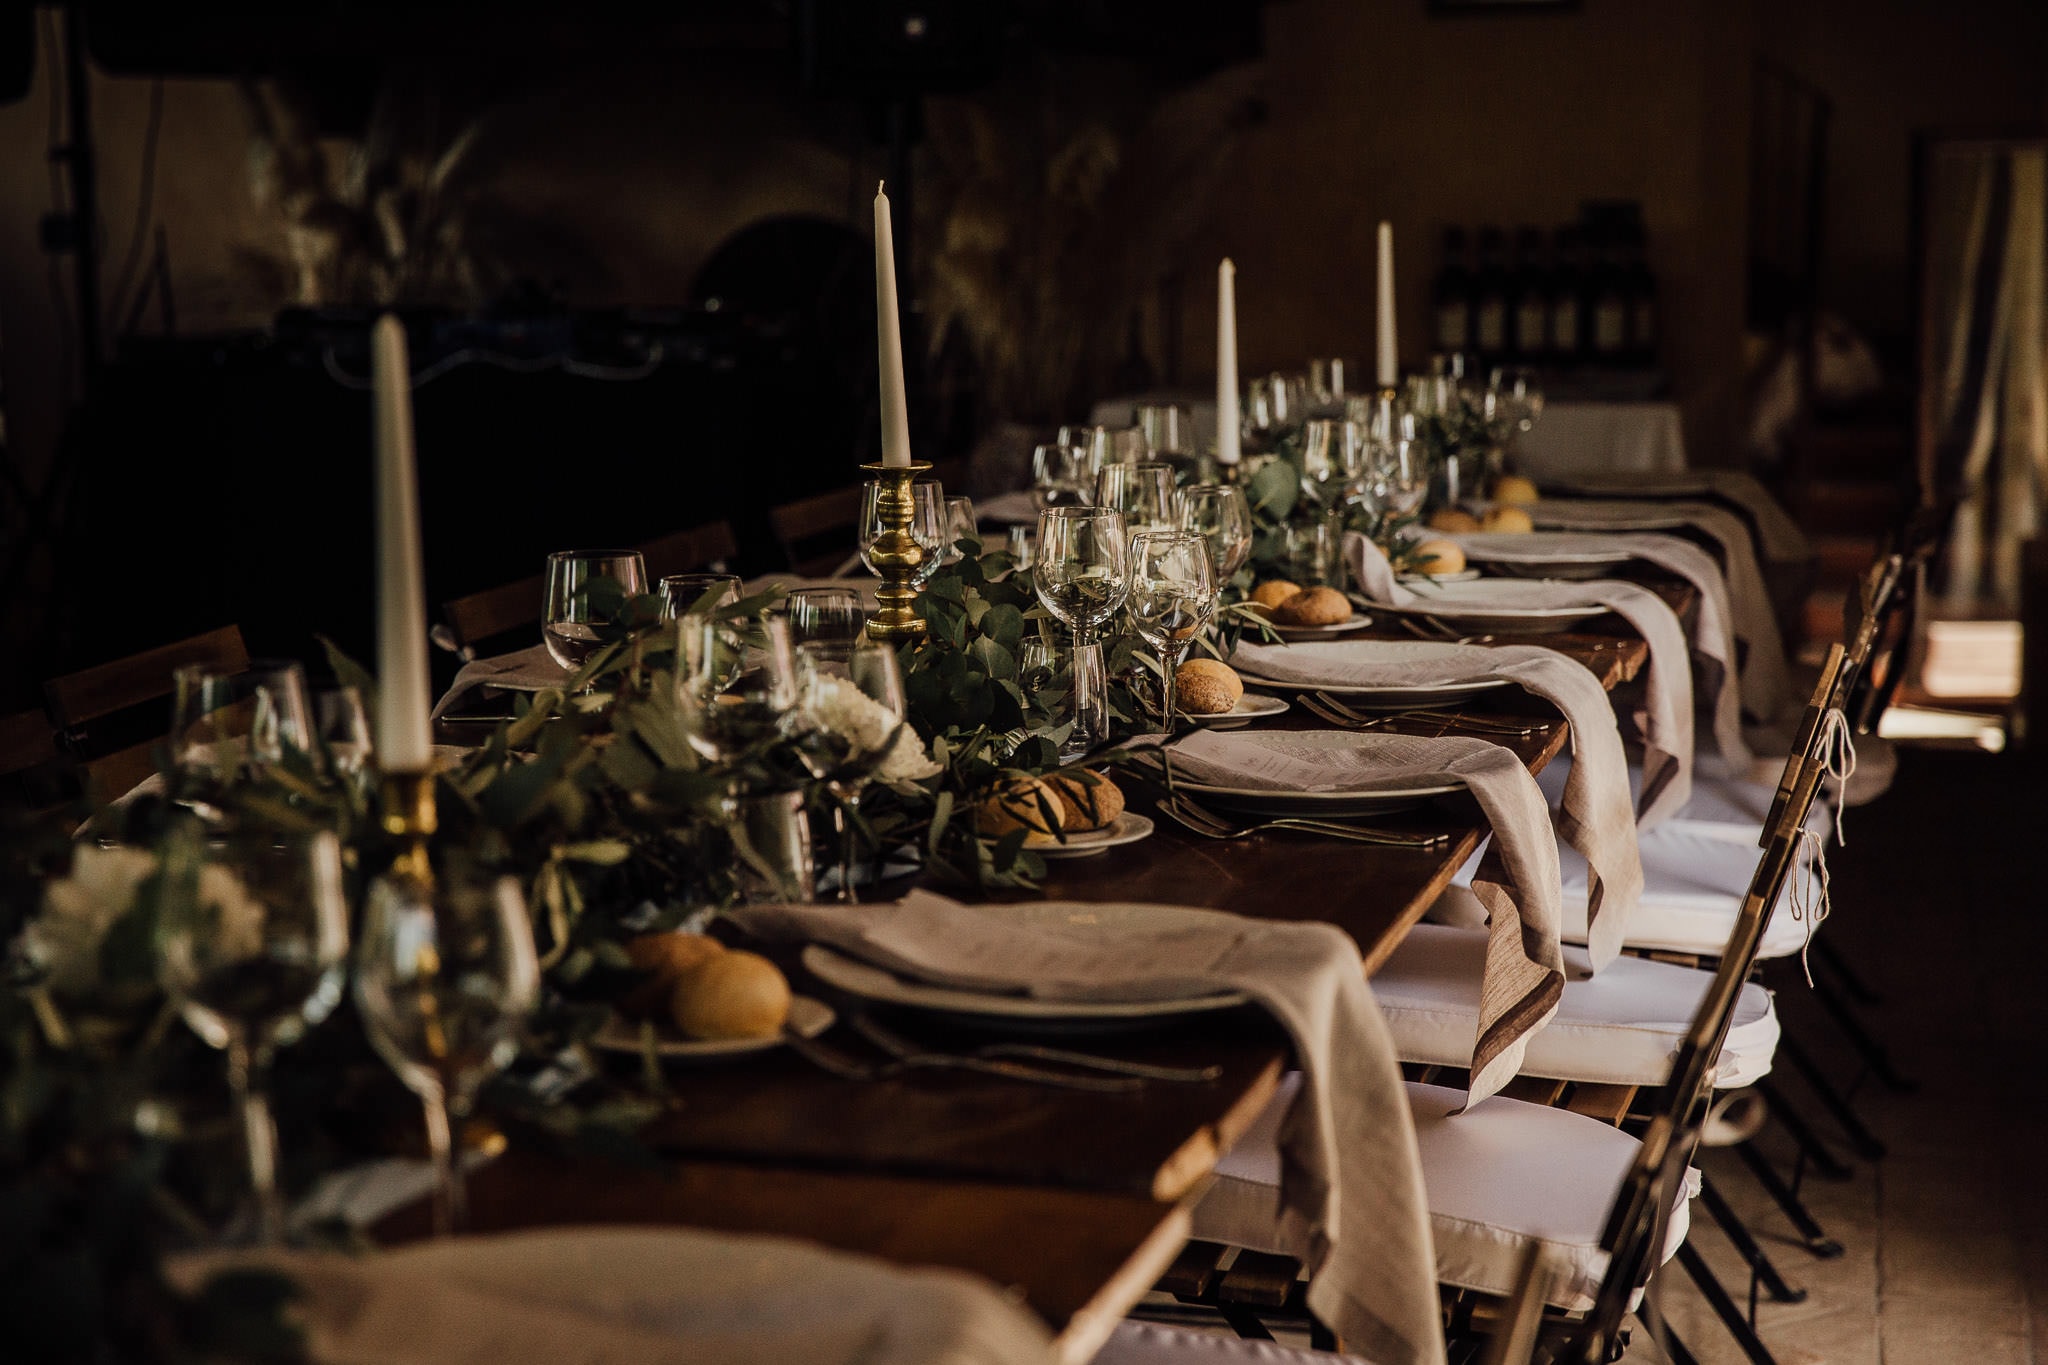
<point x="410" y="816"/>
<point x="896" y="555"/>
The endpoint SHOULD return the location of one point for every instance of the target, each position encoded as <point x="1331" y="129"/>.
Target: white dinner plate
<point x="1495" y="604"/>
<point x="1544" y="554"/>
<point x="1251" y="706"/>
<point x="870" y="982"/>
<point x="1409" y="580"/>
<point x="1357" y="622"/>
<point x="1127" y="828"/>
<point x="807" y="1017"/>
<point x="1394" y="698"/>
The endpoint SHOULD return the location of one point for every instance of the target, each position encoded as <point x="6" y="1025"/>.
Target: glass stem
<point x="842" y="825"/>
<point x="249" y="1083"/>
<point x="451" y="1199"/>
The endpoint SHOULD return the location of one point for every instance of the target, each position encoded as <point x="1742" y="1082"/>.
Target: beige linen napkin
<point x="524" y="670"/>
<point x="1665" y="718"/>
<point x="1714" y="636"/>
<point x="1766" y="685"/>
<point x="1352" y="1203"/>
<point x="1518" y="881"/>
<point x="1779" y="536"/>
<point x="653" y="1296"/>
<point x="1595" y="812"/>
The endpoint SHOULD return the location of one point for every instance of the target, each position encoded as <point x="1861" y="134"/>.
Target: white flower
<point x="78" y="910"/>
<point x="865" y="724"/>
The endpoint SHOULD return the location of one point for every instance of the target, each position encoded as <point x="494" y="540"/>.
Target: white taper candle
<point x="889" y="327"/>
<point x="1227" y="431"/>
<point x="1389" y="357"/>
<point x="404" y="741"/>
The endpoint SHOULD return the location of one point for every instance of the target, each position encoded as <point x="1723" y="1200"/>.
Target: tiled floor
<point x="1947" y="1237"/>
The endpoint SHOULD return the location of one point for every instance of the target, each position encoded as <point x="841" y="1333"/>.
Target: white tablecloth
<point x="1580" y="438"/>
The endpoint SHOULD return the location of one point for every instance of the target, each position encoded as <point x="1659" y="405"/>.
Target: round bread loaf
<point x="1513" y="490"/>
<point x="664" y="957"/>
<point x="1207" y="687"/>
<point x="1439" y="557"/>
<point x="1272" y="593"/>
<point x="731" y="995"/>
<point x="1092" y="801"/>
<point x="1452" y="519"/>
<point x="1027" y="803"/>
<point x="1508" y="519"/>
<point x="1314" y="607"/>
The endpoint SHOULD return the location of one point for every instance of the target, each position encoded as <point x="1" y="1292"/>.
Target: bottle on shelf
<point x="1451" y="296"/>
<point x="1490" y="297"/>
<point x="1607" y="303"/>
<point x="1568" y="299"/>
<point x="1529" y="293"/>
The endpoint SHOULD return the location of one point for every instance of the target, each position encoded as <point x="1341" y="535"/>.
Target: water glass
<point x="343" y="725"/>
<point x="252" y="945"/>
<point x="854" y="708"/>
<point x="1173" y="595"/>
<point x="1167" y="429"/>
<point x="832" y="616"/>
<point x="445" y="974"/>
<point x="1061" y="476"/>
<point x="1311" y="551"/>
<point x="683" y="593"/>
<point x="777" y="866"/>
<point x="1143" y="492"/>
<point x="927" y="525"/>
<point x="726" y="715"/>
<point x="1220" y="512"/>
<point x="1082" y="574"/>
<point x="1023" y="547"/>
<point x="1332" y="460"/>
<point x="238" y="723"/>
<point x="583" y="592"/>
<point x="960" y="526"/>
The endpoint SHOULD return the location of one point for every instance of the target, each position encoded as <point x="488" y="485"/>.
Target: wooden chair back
<point x="1892" y="623"/>
<point x="498" y="611"/>
<point x="82" y="701"/>
<point x="817" y="533"/>
<point x="1640" y="1218"/>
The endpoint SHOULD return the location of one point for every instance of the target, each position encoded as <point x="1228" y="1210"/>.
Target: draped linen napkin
<point x="1353" y="1208"/>
<point x="654" y="1296"/>
<point x="1779" y="536"/>
<point x="1766" y="685"/>
<point x="1595" y="814"/>
<point x="524" y="670"/>
<point x="1714" y="636"/>
<point x="1665" y="717"/>
<point x="1518" y="882"/>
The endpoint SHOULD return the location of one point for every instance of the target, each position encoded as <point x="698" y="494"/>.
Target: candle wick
<point x="881" y="187"/>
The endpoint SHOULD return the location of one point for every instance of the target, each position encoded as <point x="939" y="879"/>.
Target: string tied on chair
<point x="1838" y="761"/>
<point x="1807" y="898"/>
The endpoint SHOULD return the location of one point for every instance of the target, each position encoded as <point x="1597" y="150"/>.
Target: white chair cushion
<point x="1497" y="1177"/>
<point x="1735" y="805"/>
<point x="1150" y="1343"/>
<point x="1621" y="1027"/>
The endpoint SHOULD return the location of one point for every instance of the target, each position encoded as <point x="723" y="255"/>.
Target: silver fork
<point x="1212" y="826"/>
<point x="1337" y="713"/>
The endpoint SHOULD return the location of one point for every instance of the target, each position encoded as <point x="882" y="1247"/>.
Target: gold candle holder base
<point x="896" y="556"/>
<point x="410" y="816"/>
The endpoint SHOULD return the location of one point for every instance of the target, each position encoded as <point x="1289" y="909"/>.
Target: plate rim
<point x="1119" y="839"/>
<point x="1232" y="717"/>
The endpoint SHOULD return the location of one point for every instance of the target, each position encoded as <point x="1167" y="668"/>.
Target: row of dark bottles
<point x="1583" y="296"/>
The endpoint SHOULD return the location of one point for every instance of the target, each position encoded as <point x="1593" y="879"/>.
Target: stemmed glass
<point x="445" y="973"/>
<point x="1403" y="476"/>
<point x="1083" y="573"/>
<point x="1173" y="595"/>
<point x="232" y="723"/>
<point x="724" y="716"/>
<point x="1061" y="476"/>
<point x="1143" y="492"/>
<point x="853" y="701"/>
<point x="343" y="724"/>
<point x="832" y="616"/>
<point x="569" y="620"/>
<point x="683" y="593"/>
<point x="1332" y="458"/>
<point x="1221" y="514"/>
<point x="1326" y="386"/>
<point x="960" y="525"/>
<point x="927" y="525"/>
<point x="252" y="944"/>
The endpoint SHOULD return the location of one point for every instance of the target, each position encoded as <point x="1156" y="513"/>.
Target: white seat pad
<point x="1620" y="1027"/>
<point x="1151" y="1343"/>
<point x="1498" y="1176"/>
<point x="1734" y="806"/>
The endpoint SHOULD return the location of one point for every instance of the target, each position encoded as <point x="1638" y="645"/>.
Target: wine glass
<point x="1167" y="429"/>
<point x="238" y="723"/>
<point x="826" y="615"/>
<point x="1061" y="476"/>
<point x="576" y="607"/>
<point x="960" y="525"/>
<point x="1143" y="492"/>
<point x="726" y="715"/>
<point x="445" y="973"/>
<point x="1082" y="574"/>
<point x="927" y="525"/>
<point x="1023" y="547"/>
<point x="683" y="593"/>
<point x="343" y="726"/>
<point x="853" y="703"/>
<point x="1221" y="514"/>
<point x="1326" y="382"/>
<point x="1403" y="476"/>
<point x="1173" y="595"/>
<point x="252" y="945"/>
<point x="1115" y="445"/>
<point x="1332" y="459"/>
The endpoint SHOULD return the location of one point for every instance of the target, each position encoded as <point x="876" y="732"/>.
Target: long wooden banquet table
<point x="1076" y="1200"/>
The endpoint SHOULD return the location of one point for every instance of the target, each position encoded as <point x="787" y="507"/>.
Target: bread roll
<point x="1439" y="557"/>
<point x="664" y="957"/>
<point x="1025" y="803"/>
<point x="1512" y="490"/>
<point x="731" y="995"/>
<point x="1452" y="519"/>
<point x="1091" y="800"/>
<point x="1314" y="607"/>
<point x="1271" y="593"/>
<point x="1508" y="519"/>
<point x="1208" y="687"/>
